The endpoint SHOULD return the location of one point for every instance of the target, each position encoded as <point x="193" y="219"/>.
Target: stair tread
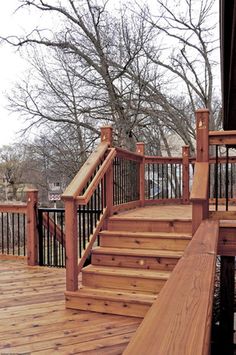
<point x="227" y="224"/>
<point x="130" y="272"/>
<point x="123" y="217"/>
<point x="170" y="235"/>
<point x="113" y="294"/>
<point x="138" y="252"/>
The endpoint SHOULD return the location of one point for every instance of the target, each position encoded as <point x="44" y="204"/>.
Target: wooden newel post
<point x="140" y="149"/>
<point x="106" y="136"/>
<point x="32" y="231"/>
<point x="71" y="230"/>
<point x="185" y="180"/>
<point x="201" y="207"/>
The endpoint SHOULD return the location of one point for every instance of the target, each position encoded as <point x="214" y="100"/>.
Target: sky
<point x="12" y="66"/>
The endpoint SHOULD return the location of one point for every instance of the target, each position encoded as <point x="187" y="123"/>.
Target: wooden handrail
<point x="156" y="159"/>
<point x="200" y="182"/>
<point x="84" y="199"/>
<point x="222" y="137"/>
<point x="179" y="321"/>
<point x="86" y="171"/>
<point x="123" y="153"/>
<point x="13" y="208"/>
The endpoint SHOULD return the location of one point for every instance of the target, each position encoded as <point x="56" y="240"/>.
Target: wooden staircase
<point x="131" y="265"/>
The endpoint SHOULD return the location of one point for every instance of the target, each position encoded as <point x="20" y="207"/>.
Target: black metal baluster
<point x="180" y="180"/>
<point x="171" y="181"/>
<point x="220" y="185"/>
<point x="153" y="181"/>
<point x="24" y="235"/>
<point x="18" y="234"/>
<point x="7" y="233"/>
<point x="13" y="232"/>
<point x="216" y="179"/>
<point x="62" y="246"/>
<point x="167" y="181"/>
<point x="80" y="236"/>
<point x="40" y="234"/>
<point x="55" y="242"/>
<point x="231" y="180"/>
<point x="2" y="217"/>
<point x="227" y="179"/>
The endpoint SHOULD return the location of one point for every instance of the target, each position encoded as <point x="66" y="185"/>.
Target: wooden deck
<point x="183" y="212"/>
<point x="34" y="318"/>
<point x="162" y="212"/>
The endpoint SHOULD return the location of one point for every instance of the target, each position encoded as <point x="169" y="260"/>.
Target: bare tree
<point x="11" y="170"/>
<point x="100" y="68"/>
<point x="190" y="28"/>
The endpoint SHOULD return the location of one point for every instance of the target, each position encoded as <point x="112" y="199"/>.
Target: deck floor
<point x="34" y="318"/>
<point x="183" y="212"/>
<point x="160" y="212"/>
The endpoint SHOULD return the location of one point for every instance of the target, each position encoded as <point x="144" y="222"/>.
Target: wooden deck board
<point x="165" y="212"/>
<point x="34" y="318"/>
<point x="183" y="212"/>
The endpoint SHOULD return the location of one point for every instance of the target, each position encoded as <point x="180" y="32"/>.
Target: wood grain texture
<point x="227" y="240"/>
<point x="32" y="230"/>
<point x="71" y="231"/>
<point x="34" y="318"/>
<point x="200" y="182"/>
<point x="13" y="208"/>
<point x="222" y="137"/>
<point x="179" y="321"/>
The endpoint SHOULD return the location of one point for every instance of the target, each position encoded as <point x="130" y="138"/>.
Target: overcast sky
<point x="11" y="64"/>
<point x="11" y="67"/>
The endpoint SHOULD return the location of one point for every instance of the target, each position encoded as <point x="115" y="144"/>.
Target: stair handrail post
<point x="106" y="136"/>
<point x="32" y="230"/>
<point x="140" y="149"/>
<point x="201" y="207"/>
<point x="71" y="231"/>
<point x="185" y="172"/>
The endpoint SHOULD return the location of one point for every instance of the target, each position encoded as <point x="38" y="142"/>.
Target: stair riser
<point x="107" y="306"/>
<point x="177" y="244"/>
<point x="123" y="282"/>
<point x="153" y="263"/>
<point x="150" y="226"/>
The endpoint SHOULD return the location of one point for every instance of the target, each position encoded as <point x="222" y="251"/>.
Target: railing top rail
<point x="97" y="178"/>
<point x="123" y="153"/>
<point x="222" y="137"/>
<point x="13" y="207"/>
<point x="81" y="178"/>
<point x="162" y="160"/>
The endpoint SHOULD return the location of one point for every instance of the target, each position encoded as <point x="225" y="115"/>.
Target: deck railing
<point x="114" y="179"/>
<point x="18" y="228"/>
<point x="51" y="237"/>
<point x="214" y="200"/>
<point x="164" y="179"/>
<point x="126" y="177"/>
<point x="13" y="230"/>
